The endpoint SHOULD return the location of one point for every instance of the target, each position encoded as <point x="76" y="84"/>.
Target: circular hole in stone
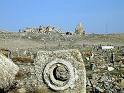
<point x="61" y="73"/>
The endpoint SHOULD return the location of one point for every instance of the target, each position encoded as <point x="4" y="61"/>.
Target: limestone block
<point x="62" y="71"/>
<point x="8" y="71"/>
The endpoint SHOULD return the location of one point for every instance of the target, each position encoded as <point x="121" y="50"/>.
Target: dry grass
<point x="23" y="59"/>
<point x="19" y="75"/>
<point x="4" y="51"/>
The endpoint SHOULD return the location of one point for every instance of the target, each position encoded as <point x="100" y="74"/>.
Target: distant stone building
<point x="29" y="30"/>
<point x="49" y="29"/>
<point x="39" y="29"/>
<point x="79" y="29"/>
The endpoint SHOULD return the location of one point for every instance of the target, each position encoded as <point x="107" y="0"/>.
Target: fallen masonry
<point x="8" y="71"/>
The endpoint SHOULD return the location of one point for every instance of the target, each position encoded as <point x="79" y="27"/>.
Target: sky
<point x="97" y="16"/>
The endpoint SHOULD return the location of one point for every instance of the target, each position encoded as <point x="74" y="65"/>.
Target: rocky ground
<point x="103" y="76"/>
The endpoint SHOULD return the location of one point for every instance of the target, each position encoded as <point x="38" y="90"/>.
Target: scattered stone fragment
<point x="8" y="71"/>
<point x="110" y="68"/>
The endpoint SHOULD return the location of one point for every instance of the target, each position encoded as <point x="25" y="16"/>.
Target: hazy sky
<point x="97" y="16"/>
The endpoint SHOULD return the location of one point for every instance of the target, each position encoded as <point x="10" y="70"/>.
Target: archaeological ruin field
<point x="30" y="50"/>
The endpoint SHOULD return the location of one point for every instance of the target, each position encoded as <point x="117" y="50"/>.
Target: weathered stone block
<point x="62" y="71"/>
<point x="8" y="71"/>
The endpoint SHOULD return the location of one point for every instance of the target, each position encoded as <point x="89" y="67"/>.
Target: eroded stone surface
<point x="62" y="71"/>
<point x="8" y="71"/>
<point x="59" y="84"/>
<point x="72" y="62"/>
